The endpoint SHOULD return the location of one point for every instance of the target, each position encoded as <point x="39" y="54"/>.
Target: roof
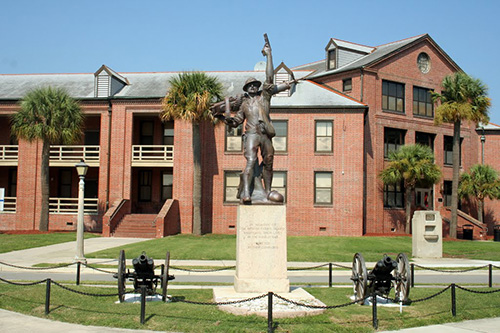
<point x="156" y="84"/>
<point x="349" y="45"/>
<point x="377" y="54"/>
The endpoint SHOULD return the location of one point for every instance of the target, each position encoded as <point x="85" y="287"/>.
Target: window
<point x="394" y="195"/>
<point x="280" y="77"/>
<point x="279" y="182"/>
<point x="145" y="177"/>
<point x="324" y="136"/>
<point x="231" y="184"/>
<point x="168" y="133"/>
<point x="233" y="138"/>
<point x="64" y="190"/>
<point x="280" y="140"/>
<point x="323" y="184"/>
<point x="425" y="139"/>
<point x="422" y="102"/>
<point x="393" y="96"/>
<point x="448" y="150"/>
<point x="12" y="188"/>
<point x="393" y="139"/>
<point x="167" y="180"/>
<point x="447" y="192"/>
<point x="146" y="134"/>
<point x="332" y="61"/>
<point x="347" y="84"/>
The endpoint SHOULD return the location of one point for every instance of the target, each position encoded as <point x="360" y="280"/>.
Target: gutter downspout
<point x="110" y="108"/>
<point x="364" y="151"/>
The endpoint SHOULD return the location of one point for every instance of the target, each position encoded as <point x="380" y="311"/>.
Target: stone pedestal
<point x="261" y="249"/>
<point x="427" y="234"/>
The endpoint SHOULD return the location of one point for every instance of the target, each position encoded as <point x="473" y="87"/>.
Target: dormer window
<point x="108" y="82"/>
<point x="282" y="74"/>
<point x="332" y="59"/>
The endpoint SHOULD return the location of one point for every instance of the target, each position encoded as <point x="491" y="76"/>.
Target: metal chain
<point x="477" y="291"/>
<point x="342" y="266"/>
<point x="431" y="296"/>
<point x="498" y="267"/>
<point x="99" y="269"/>
<point x="174" y="299"/>
<point x="316" y="306"/>
<point x="84" y="293"/>
<point x="306" y="268"/>
<point x="202" y="270"/>
<point x="23" y="284"/>
<point x="451" y="271"/>
<point x="37" y="268"/>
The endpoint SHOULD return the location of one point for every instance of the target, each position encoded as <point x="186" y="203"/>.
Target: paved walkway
<point x="15" y="322"/>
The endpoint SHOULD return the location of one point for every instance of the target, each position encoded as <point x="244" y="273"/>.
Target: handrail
<point x="153" y="153"/>
<point x="67" y="153"/>
<point x="70" y="206"/>
<point x="9" y="152"/>
<point x="9" y="205"/>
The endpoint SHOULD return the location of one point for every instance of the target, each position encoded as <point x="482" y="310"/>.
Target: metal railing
<point x="70" y="154"/>
<point x="152" y="153"/>
<point x="70" y="206"/>
<point x="9" y="152"/>
<point x="9" y="205"/>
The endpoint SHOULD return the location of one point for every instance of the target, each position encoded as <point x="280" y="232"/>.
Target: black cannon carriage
<point x="143" y="275"/>
<point x="381" y="278"/>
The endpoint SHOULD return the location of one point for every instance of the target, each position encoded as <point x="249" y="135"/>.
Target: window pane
<point x="279" y="143"/>
<point x="392" y="103"/>
<point x="324" y="144"/>
<point x="280" y="127"/>
<point x="234" y="143"/>
<point x="400" y="106"/>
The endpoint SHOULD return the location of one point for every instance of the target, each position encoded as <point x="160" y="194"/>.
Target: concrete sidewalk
<point x="65" y="253"/>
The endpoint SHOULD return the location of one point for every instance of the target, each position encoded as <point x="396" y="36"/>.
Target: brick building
<point x="333" y="131"/>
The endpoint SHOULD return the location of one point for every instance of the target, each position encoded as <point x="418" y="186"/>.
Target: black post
<point x="453" y="301"/>
<point x="143" y="303"/>
<point x="374" y="311"/>
<point x="490" y="277"/>
<point x="47" y="297"/>
<point x="412" y="275"/>
<point x="330" y="276"/>
<point x="78" y="273"/>
<point x="270" y="312"/>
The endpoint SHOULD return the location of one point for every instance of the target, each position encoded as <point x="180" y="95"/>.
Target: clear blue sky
<point x="63" y="36"/>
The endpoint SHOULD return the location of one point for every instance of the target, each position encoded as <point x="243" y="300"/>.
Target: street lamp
<point x="81" y="169"/>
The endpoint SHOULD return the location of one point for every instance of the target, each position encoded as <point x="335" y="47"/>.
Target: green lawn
<point x="300" y="248"/>
<point x="27" y="241"/>
<point x="181" y="317"/>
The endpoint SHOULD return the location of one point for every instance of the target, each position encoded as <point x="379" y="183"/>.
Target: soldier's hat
<point x="250" y="81"/>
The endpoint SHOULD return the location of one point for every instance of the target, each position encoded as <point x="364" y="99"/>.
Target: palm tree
<point x="413" y="165"/>
<point x="189" y="98"/>
<point x="480" y="182"/>
<point x="52" y="116"/>
<point x="463" y="98"/>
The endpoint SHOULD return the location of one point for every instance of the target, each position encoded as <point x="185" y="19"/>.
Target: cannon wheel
<point x="164" y="278"/>
<point x="359" y="277"/>
<point x="402" y="278"/>
<point x="122" y="266"/>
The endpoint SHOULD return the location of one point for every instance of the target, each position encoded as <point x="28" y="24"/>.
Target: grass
<point x="103" y="311"/>
<point x="16" y="242"/>
<point x="300" y="248"/>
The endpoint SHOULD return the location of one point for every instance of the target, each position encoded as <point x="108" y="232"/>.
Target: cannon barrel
<point x="143" y="264"/>
<point x="384" y="267"/>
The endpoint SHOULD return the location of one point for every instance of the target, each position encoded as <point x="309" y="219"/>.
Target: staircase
<point x="136" y="226"/>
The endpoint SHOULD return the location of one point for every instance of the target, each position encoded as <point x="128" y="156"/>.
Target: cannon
<point x="381" y="278"/>
<point x="143" y="275"/>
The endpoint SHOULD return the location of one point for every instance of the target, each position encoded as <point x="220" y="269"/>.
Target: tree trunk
<point x="45" y="179"/>
<point x="197" y="230"/>
<point x="480" y="205"/>
<point x="456" y="174"/>
<point x="409" y="199"/>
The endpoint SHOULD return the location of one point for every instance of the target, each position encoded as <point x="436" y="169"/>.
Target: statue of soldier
<point x="253" y="106"/>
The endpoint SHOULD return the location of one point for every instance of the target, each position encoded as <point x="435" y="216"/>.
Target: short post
<point x="78" y="273"/>
<point x="47" y="297"/>
<point x="412" y="268"/>
<point x="270" y="312"/>
<point x="330" y="276"/>
<point x="374" y="311"/>
<point x="143" y="303"/>
<point x="490" y="275"/>
<point x="453" y="301"/>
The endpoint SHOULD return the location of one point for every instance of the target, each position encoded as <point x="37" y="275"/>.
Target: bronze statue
<point x="253" y="107"/>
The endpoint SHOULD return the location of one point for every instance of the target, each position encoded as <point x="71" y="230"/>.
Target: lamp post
<point x="81" y="169"/>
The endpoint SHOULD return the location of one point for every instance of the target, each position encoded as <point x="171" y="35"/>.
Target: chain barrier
<point x="318" y="306"/>
<point x="175" y="299"/>
<point x="99" y="269"/>
<point x="429" y="297"/>
<point x="37" y="268"/>
<point x="451" y="271"/>
<point x="82" y="292"/>
<point x="307" y="268"/>
<point x="202" y="270"/>
<point x="22" y="283"/>
<point x="497" y="267"/>
<point x="477" y="291"/>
